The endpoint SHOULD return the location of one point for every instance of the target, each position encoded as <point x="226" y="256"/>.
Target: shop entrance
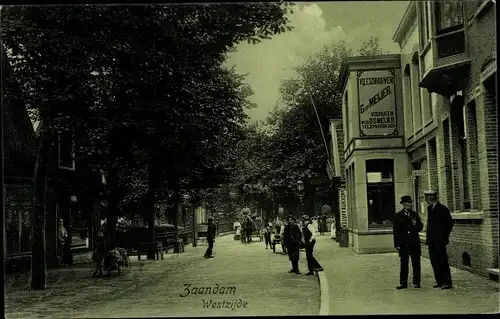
<point x="420" y="185"/>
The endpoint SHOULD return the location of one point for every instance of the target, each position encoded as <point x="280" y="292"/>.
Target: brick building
<point x="446" y="136"/>
<point x="449" y="86"/>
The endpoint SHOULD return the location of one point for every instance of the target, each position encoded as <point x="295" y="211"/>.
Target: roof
<point x="408" y="16"/>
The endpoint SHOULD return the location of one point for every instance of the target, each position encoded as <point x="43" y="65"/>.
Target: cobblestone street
<point x="154" y="288"/>
<point x="365" y="284"/>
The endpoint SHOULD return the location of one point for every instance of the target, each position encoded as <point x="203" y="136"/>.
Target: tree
<point x="371" y="47"/>
<point x="158" y="72"/>
<point x="299" y="151"/>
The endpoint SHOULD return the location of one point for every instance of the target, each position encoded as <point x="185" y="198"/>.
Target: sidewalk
<point x="366" y="284"/>
<point x="255" y="282"/>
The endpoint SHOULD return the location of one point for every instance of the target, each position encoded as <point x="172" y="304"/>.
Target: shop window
<point x="449" y="15"/>
<point x="66" y="150"/>
<point x="18" y="227"/>
<point x="462" y="144"/>
<point x="380" y="192"/>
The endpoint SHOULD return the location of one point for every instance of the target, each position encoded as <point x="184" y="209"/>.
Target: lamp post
<point x="300" y="193"/>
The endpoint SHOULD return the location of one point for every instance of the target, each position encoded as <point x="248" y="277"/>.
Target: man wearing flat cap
<point x="309" y="241"/>
<point x="210" y="238"/>
<point x="406" y="226"/>
<point x="439" y="226"/>
<point x="292" y="237"/>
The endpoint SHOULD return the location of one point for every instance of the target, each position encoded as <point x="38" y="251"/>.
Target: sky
<point x="315" y="25"/>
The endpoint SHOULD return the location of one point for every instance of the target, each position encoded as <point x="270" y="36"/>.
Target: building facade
<point x="375" y="160"/>
<point x="451" y="118"/>
<point x="73" y="190"/>
<point x="447" y="131"/>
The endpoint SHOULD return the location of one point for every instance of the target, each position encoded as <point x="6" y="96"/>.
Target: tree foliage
<point x="142" y="87"/>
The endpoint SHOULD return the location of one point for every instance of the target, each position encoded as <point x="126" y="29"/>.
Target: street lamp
<point x="300" y="193"/>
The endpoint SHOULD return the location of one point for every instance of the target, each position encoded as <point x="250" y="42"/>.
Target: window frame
<point x="465" y="187"/>
<point x="383" y="186"/>
<point x="437" y="19"/>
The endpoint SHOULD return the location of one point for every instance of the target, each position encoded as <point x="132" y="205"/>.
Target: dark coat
<point x="406" y="234"/>
<point x="439" y="225"/>
<point x="211" y="233"/>
<point x="292" y="237"/>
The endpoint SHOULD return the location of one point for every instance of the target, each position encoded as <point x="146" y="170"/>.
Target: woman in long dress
<point x="237" y="230"/>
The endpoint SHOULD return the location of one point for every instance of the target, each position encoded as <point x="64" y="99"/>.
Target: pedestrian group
<point x="406" y="228"/>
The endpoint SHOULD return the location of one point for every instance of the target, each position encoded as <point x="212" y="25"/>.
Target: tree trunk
<point x="150" y="209"/>
<point x="177" y="210"/>
<point x="113" y="204"/>
<point x="38" y="250"/>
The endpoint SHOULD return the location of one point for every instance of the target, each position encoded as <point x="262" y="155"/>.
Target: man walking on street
<point x="406" y="226"/>
<point x="292" y="238"/>
<point x="439" y="226"/>
<point x="309" y="241"/>
<point x="210" y="238"/>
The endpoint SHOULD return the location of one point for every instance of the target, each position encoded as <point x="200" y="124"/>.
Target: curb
<point x="324" y="308"/>
<point x="225" y="234"/>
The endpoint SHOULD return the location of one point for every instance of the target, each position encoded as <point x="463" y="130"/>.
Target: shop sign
<point x="377" y="102"/>
<point x="343" y="208"/>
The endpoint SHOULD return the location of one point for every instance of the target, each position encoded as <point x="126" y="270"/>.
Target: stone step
<point x="493" y="271"/>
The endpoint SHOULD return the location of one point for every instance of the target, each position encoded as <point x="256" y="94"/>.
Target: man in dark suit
<point x="439" y="226"/>
<point x="406" y="227"/>
<point x="210" y="238"/>
<point x="292" y="237"/>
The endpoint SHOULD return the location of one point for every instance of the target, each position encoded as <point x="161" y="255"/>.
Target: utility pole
<point x="2" y="171"/>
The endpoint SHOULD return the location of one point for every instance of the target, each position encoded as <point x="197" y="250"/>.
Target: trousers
<point x="312" y="263"/>
<point x="208" y="253"/>
<point x="440" y="265"/>
<point x="403" y="272"/>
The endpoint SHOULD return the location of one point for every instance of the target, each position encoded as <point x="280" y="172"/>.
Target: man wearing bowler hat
<point x="439" y="226"/>
<point x="406" y="226"/>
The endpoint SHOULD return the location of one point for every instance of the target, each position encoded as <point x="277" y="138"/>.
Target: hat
<point x="210" y="219"/>
<point x="406" y="199"/>
<point x="305" y="217"/>
<point x="430" y="192"/>
<point x="291" y="216"/>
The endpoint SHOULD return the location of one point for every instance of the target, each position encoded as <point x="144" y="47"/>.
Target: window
<point x="380" y="192"/>
<point x="408" y="101"/>
<point x="66" y="150"/>
<point x="18" y="224"/>
<point x="425" y="23"/>
<point x="449" y="15"/>
<point x="462" y="145"/>
<point x="348" y="121"/>
<point x="415" y="79"/>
